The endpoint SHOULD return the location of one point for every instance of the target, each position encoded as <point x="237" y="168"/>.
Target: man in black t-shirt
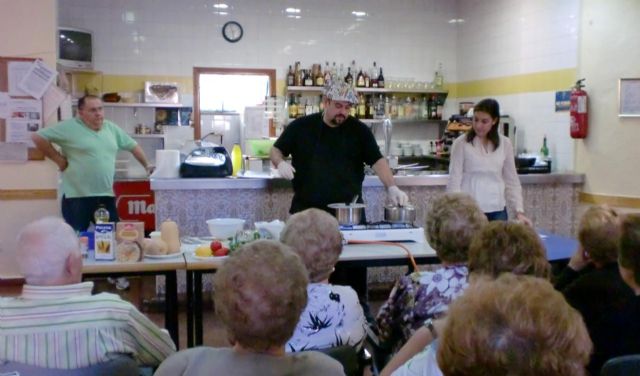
<point x="328" y="151"/>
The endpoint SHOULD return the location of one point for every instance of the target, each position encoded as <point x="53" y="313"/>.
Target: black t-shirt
<point x="329" y="162"/>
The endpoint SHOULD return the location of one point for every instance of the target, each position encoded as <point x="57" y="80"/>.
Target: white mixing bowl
<point x="224" y="228"/>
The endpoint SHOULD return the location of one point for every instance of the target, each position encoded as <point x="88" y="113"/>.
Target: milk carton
<point x="105" y="241"/>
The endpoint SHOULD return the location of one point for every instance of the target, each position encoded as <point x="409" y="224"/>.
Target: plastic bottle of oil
<point x="236" y="159"/>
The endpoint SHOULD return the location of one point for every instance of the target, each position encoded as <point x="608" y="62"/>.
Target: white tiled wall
<point x="407" y="37"/>
<point x="502" y="38"/>
<point x="498" y="38"/>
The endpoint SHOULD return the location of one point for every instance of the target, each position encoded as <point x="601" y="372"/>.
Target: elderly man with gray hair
<point x="56" y="323"/>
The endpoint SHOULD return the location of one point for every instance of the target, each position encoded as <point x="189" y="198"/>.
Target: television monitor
<point x="75" y="48"/>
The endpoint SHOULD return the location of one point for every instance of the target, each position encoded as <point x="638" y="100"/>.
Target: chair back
<point x="347" y="356"/>
<point x="121" y="365"/>
<point x="627" y="365"/>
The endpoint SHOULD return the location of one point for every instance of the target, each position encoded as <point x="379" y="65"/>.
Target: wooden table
<point x="166" y="267"/>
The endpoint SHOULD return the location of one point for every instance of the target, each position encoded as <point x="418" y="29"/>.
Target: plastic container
<point x="236" y="159"/>
<point x="224" y="228"/>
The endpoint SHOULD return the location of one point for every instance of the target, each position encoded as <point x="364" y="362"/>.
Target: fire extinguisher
<point x="578" y="111"/>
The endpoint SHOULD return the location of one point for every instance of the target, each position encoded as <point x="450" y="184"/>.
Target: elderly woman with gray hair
<point x="333" y="316"/>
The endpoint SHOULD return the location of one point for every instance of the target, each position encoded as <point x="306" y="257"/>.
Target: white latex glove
<point x="286" y="170"/>
<point x="396" y="196"/>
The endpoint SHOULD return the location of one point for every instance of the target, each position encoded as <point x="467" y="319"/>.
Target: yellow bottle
<point x="236" y="159"/>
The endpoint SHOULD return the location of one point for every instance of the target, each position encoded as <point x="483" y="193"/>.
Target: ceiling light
<point x="221" y="13"/>
<point x="220" y="6"/>
<point x="456" y="20"/>
<point x="359" y="13"/>
<point x="292" y="10"/>
<point x="293" y="16"/>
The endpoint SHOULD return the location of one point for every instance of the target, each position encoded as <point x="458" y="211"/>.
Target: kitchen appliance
<point x="207" y="162"/>
<point x="383" y="231"/>
<point x="399" y="214"/>
<point x="348" y="214"/>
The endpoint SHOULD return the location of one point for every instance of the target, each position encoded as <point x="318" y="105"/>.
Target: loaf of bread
<point x="128" y="252"/>
<point x="154" y="247"/>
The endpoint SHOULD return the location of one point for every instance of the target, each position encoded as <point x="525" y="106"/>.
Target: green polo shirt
<point x="91" y="155"/>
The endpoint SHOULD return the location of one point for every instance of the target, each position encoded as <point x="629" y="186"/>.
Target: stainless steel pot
<point x="348" y="214"/>
<point x="400" y="214"/>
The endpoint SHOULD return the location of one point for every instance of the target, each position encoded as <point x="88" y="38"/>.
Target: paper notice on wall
<point x="4" y="105"/>
<point x="38" y="79"/>
<point x="25" y="118"/>
<point x="13" y="152"/>
<point x="16" y="70"/>
<point x="52" y="99"/>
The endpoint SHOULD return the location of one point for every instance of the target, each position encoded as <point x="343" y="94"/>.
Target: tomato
<point x="221" y="252"/>
<point x="215" y="245"/>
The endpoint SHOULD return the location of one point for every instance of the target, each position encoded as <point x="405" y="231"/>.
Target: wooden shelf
<point x="74" y="102"/>
<point x="319" y="89"/>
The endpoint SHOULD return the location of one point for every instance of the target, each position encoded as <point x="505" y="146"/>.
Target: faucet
<point x="201" y="140"/>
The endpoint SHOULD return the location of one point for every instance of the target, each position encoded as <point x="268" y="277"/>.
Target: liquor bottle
<point x="297" y="74"/>
<point x="101" y="215"/>
<point x="360" y="79"/>
<point x="353" y="71"/>
<point x="394" y="107"/>
<point x="334" y="72"/>
<point x="544" y="150"/>
<point x="308" y="80"/>
<point x="438" y="78"/>
<point x="300" y="106"/>
<point x="327" y="73"/>
<point x="401" y="108"/>
<point x="387" y="107"/>
<point x="431" y="108"/>
<point x="362" y="108"/>
<point x="424" y="109"/>
<point x="293" y="107"/>
<point x="308" y="108"/>
<point x="367" y="79"/>
<point x="319" y="80"/>
<point x="380" y="108"/>
<point x="315" y="108"/>
<point x="353" y="112"/>
<point x="348" y="78"/>
<point x="439" y="108"/>
<point x="321" y="103"/>
<point x="371" y="110"/>
<point x="373" y="74"/>
<point x="236" y="159"/>
<point x="380" y="79"/>
<point x="290" y="77"/>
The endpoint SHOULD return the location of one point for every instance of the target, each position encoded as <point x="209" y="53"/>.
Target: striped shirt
<point x="66" y="327"/>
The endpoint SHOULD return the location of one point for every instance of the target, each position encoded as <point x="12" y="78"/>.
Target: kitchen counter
<point x="550" y="199"/>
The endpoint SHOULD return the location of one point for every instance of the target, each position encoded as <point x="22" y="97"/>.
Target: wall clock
<point x="232" y="31"/>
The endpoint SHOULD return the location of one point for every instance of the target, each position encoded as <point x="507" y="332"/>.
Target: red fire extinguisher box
<point x="135" y="202"/>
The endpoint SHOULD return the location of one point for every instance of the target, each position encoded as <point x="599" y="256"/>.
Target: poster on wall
<point x="629" y="97"/>
<point x="25" y="118"/>
<point x="563" y="100"/>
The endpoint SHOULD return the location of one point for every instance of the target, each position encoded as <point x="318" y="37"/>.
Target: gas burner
<point x="378" y="226"/>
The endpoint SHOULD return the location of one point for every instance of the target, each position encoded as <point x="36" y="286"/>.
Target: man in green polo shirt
<point x="88" y="147"/>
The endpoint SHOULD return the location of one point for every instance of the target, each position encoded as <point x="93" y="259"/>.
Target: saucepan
<point x="400" y="214"/>
<point x="348" y="214"/>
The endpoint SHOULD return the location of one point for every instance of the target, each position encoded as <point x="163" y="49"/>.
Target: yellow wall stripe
<point x="617" y="201"/>
<point x="555" y="80"/>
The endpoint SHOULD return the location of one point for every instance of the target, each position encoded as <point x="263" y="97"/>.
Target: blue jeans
<point x="497" y="215"/>
<point x="78" y="211"/>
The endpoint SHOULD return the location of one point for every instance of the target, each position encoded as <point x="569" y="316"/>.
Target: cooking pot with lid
<point x="348" y="214"/>
<point x="207" y="162"/>
<point x="400" y="214"/>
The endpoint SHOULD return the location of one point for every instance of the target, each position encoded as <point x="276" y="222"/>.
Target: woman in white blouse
<point x="483" y="165"/>
<point x="333" y="315"/>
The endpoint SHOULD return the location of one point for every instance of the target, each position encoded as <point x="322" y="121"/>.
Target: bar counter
<point x="550" y="200"/>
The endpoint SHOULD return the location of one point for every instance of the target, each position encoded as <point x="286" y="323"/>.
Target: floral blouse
<point x="416" y="298"/>
<point x="333" y="317"/>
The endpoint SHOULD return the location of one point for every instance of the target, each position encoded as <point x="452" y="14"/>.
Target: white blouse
<point x="488" y="175"/>
<point x="333" y="317"/>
